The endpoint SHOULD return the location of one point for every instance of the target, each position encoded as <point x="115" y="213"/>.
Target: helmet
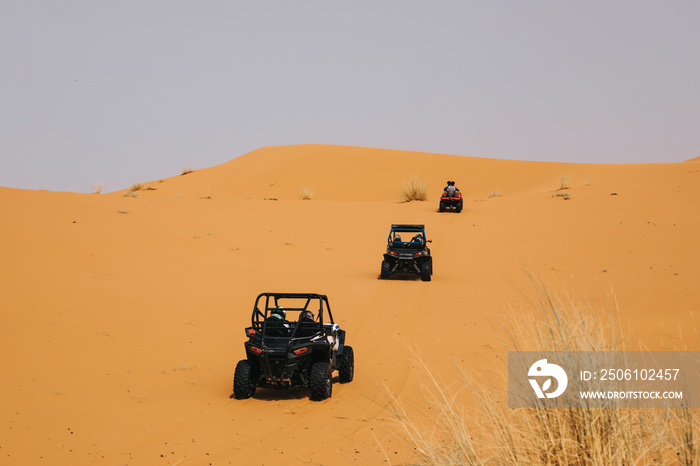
<point x="278" y="313"/>
<point x="306" y="315"/>
<point x="397" y="238"/>
<point x="418" y="238"/>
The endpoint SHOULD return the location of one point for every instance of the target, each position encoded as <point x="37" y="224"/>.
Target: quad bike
<point x="453" y="203"/>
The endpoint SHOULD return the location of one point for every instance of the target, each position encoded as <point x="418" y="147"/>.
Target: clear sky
<point x="119" y="92"/>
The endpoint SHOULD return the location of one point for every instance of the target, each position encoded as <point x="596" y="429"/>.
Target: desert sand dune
<point x="124" y="314"/>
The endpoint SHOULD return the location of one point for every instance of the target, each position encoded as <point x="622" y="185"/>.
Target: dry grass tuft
<point x="306" y="194"/>
<point x="495" y="194"/>
<point x="136" y="187"/>
<point x="97" y="189"/>
<point x="564" y="182"/>
<point x="186" y="171"/>
<point x="491" y="433"/>
<point x="414" y="189"/>
<point x="139" y="187"/>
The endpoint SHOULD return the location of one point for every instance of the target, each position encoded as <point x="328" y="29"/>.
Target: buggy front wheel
<point x="321" y="381"/>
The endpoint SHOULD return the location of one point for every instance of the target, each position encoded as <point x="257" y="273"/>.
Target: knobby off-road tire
<point x="442" y="206"/>
<point x="459" y="207"/>
<point x="426" y="270"/>
<point x="386" y="270"/>
<point x="321" y="381"/>
<point x="346" y="371"/>
<point x="245" y="379"/>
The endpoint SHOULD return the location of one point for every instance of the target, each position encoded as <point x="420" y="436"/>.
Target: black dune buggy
<point x="407" y="252"/>
<point x="293" y="342"/>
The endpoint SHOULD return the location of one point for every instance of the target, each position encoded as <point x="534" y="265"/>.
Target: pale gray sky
<point x="126" y="91"/>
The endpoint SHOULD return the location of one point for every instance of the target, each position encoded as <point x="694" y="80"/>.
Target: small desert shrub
<point x="136" y="187"/>
<point x="562" y="194"/>
<point x="186" y="170"/>
<point x="306" y="194"/>
<point x="97" y="189"/>
<point x="140" y="187"/>
<point x="495" y="194"/>
<point x="414" y="189"/>
<point x="564" y="182"/>
<point x="587" y="181"/>
<point x="491" y="433"/>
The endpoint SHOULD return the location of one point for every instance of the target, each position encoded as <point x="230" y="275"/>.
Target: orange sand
<point x="123" y="316"/>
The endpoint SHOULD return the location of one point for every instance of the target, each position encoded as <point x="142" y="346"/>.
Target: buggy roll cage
<point x="401" y="228"/>
<point x="259" y="318"/>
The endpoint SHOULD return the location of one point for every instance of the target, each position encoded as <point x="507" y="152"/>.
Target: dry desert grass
<point x="491" y="433"/>
<point x="306" y="194"/>
<point x="414" y="189"/>
<point x="564" y="182"/>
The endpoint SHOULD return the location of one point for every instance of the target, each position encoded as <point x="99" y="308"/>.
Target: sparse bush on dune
<point x="306" y="194"/>
<point x="564" y="182"/>
<point x="414" y="189"/>
<point x="491" y="433"/>
<point x="187" y="170"/>
<point x="136" y="187"/>
<point x="139" y="187"/>
<point x="97" y="189"/>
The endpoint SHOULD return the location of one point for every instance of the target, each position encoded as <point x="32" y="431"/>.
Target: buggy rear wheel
<point x="442" y="206"/>
<point x="346" y="371"/>
<point x="459" y="207"/>
<point x="245" y="379"/>
<point x="321" y="381"/>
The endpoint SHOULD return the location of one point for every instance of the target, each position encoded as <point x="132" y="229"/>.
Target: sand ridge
<point x="124" y="315"/>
